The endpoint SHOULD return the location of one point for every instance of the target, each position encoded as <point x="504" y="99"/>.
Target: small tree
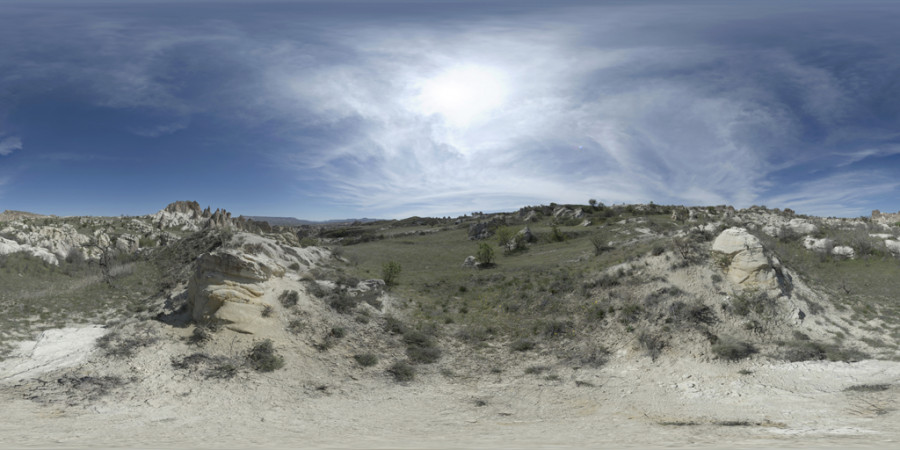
<point x="593" y="203"/>
<point x="389" y="272"/>
<point x="504" y="236"/>
<point x="485" y="255"/>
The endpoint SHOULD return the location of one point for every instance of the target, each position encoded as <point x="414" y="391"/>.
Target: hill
<point x="554" y="325"/>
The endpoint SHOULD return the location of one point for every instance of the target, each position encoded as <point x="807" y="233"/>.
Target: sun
<point x="463" y="95"/>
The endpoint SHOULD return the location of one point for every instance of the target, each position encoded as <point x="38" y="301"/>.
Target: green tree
<point x="485" y="255"/>
<point x="389" y="272"/>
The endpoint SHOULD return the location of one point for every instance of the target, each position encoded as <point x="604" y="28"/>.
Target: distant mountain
<point x="293" y="222"/>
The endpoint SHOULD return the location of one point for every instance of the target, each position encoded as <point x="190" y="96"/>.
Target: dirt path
<point x="315" y="403"/>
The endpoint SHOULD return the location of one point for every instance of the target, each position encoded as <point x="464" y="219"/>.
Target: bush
<point x="146" y="242"/>
<point x="522" y="345"/>
<point x="732" y="350"/>
<point x="263" y="358"/>
<point x="652" y="344"/>
<point x="389" y="272"/>
<point x="309" y="241"/>
<point x="807" y="350"/>
<point x="485" y="255"/>
<point x="421" y="348"/>
<point x="289" y="298"/>
<point x="600" y="245"/>
<point x="402" y="371"/>
<point x="366" y="359"/>
<point x="556" y="235"/>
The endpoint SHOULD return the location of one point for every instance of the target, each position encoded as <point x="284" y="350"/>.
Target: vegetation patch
<point x="263" y="357"/>
<point x="402" y="371"/>
<point x="732" y="350"/>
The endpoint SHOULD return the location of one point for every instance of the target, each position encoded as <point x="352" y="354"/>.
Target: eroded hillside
<point x="565" y="296"/>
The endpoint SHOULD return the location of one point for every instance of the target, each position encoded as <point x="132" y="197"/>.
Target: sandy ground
<point x="316" y="402"/>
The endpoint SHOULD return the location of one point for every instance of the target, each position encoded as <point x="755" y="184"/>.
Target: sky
<point x="389" y="109"/>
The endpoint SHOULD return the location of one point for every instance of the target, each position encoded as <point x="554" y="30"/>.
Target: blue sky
<point x="390" y="109"/>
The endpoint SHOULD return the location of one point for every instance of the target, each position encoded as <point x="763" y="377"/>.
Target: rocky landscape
<point x="560" y="325"/>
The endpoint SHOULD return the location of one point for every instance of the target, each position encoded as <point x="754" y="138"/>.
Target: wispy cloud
<point x="623" y="103"/>
<point x="10" y="144"/>
<point x="838" y="195"/>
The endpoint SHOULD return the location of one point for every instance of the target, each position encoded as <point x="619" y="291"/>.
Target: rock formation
<point x="229" y="285"/>
<point x="745" y="262"/>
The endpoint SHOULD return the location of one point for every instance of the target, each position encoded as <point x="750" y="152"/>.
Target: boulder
<point x="531" y="216"/>
<point x="843" y="251"/>
<point x="470" y="262"/>
<point x="127" y="243"/>
<point x="823" y="245"/>
<point x="480" y="231"/>
<point x="892" y="246"/>
<point x="746" y="263"/>
<point x="802" y="226"/>
<point x="7" y="246"/>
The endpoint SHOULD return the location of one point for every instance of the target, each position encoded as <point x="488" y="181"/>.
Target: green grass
<point x="518" y="295"/>
<point x="867" y="285"/>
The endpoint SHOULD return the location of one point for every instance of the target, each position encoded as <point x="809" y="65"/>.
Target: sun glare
<point x="464" y="94"/>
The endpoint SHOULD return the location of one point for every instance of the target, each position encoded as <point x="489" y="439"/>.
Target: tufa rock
<point x="747" y="265"/>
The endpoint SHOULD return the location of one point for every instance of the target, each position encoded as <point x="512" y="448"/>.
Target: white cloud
<point x="9" y="145"/>
<point x="577" y="122"/>
<point x="837" y="195"/>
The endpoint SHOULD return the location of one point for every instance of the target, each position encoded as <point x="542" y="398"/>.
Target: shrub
<point x="421" y="348"/>
<point x="556" y="235"/>
<point x="402" y="371"/>
<point x="652" y="344"/>
<point x="289" y="298"/>
<point x="146" y="242"/>
<point x="732" y="350"/>
<point x="115" y="345"/>
<point x="366" y="359"/>
<point x="389" y="272"/>
<point x="294" y="266"/>
<point x="536" y="370"/>
<point x="600" y="245"/>
<point x="394" y="325"/>
<point x="522" y="345"/>
<point x="254" y="248"/>
<point x="343" y="302"/>
<point x="485" y="255"/>
<point x="267" y="311"/>
<point x="296" y="326"/>
<point x="309" y="241"/>
<point x="807" y="350"/>
<point x="263" y="358"/>
<point x="504" y="236"/>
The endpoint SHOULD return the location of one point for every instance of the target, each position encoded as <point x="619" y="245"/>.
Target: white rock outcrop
<point x="746" y="264"/>
<point x="892" y="246"/>
<point x="7" y="246"/>
<point x="229" y="285"/>
<point x="823" y="245"/>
